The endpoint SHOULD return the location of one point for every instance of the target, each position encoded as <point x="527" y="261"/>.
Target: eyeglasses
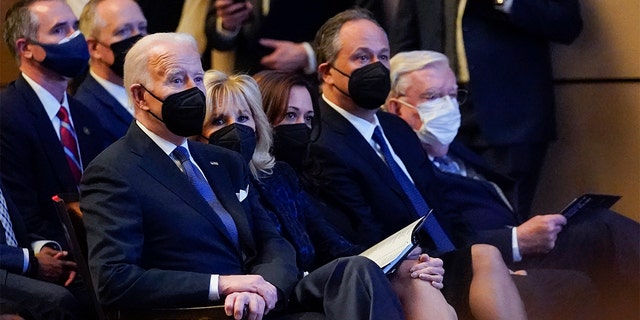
<point x="460" y="95"/>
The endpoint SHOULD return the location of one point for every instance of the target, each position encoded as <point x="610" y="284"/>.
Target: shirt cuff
<point x="514" y="245"/>
<point x="214" y="295"/>
<point x="225" y="33"/>
<point x="505" y="7"/>
<point x="37" y="245"/>
<point x="311" y="59"/>
<point x="25" y="260"/>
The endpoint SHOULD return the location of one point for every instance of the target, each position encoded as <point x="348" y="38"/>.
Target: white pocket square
<point x="242" y="194"/>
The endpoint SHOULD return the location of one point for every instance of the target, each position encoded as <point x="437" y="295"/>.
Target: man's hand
<point x="539" y="234"/>
<point x="53" y="268"/>
<point x="233" y="15"/>
<point x="245" y="305"/>
<point x="250" y="283"/>
<point x="286" y="55"/>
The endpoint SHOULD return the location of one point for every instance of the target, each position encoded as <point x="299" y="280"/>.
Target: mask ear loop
<point x="404" y="103"/>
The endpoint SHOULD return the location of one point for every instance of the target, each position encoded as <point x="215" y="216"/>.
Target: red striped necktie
<point x="69" y="142"/>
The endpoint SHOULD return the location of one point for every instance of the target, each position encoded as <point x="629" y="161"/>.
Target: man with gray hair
<point x="424" y="93"/>
<point x="111" y="28"/>
<point x="172" y="222"/>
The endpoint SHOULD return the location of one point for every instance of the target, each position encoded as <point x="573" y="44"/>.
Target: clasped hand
<point x="53" y="268"/>
<point x="247" y="296"/>
<point x="426" y="268"/>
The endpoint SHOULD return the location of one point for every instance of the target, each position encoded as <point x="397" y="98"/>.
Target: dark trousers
<point x="606" y="246"/>
<point x="35" y="299"/>
<point x="348" y="288"/>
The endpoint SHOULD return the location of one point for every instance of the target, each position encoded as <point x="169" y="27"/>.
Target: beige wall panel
<point x="598" y="149"/>
<point x="609" y="46"/>
<point x="8" y="66"/>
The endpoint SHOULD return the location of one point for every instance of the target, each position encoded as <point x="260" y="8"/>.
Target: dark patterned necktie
<point x="200" y="183"/>
<point x="6" y="222"/>
<point x="439" y="237"/>
<point x="69" y="142"/>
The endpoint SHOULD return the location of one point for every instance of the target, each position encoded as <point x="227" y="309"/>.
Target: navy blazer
<point x="12" y="258"/>
<point x="154" y="241"/>
<point x="113" y="117"/>
<point x="478" y="202"/>
<point x="508" y="57"/>
<point x="347" y="173"/>
<point x="32" y="160"/>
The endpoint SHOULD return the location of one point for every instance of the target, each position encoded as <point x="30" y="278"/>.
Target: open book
<point x="389" y="252"/>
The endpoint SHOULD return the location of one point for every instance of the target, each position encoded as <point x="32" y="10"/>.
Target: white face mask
<point x="440" y="120"/>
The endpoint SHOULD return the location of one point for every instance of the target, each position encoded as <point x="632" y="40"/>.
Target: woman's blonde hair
<point x="241" y="90"/>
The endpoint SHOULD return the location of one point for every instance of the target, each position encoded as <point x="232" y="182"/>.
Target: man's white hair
<point x="136" y="62"/>
<point x="409" y="61"/>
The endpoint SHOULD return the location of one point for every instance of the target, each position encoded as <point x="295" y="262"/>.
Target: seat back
<point x="68" y="208"/>
<point x="71" y="219"/>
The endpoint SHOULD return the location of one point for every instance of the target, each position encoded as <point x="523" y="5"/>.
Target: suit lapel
<point x="359" y="146"/>
<point x="48" y="136"/>
<point x="158" y="165"/>
<point x="108" y="101"/>
<point x="220" y="183"/>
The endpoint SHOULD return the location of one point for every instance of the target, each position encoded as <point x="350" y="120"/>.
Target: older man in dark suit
<point x="500" y="50"/>
<point x="424" y="94"/>
<point x="172" y="222"/>
<point x="46" y="137"/>
<point x="111" y="28"/>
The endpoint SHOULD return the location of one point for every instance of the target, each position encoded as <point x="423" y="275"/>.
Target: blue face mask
<point x="69" y="57"/>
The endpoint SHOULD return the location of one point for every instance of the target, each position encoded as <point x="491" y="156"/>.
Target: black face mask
<point x="182" y="112"/>
<point x="67" y="59"/>
<point x="369" y="85"/>
<point x="236" y="137"/>
<point x="120" y="50"/>
<point x="290" y="143"/>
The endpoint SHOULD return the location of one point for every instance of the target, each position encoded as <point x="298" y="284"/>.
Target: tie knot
<point x="63" y="114"/>
<point x="181" y="154"/>
<point x="377" y="135"/>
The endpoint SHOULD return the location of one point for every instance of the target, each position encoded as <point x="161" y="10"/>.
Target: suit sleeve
<point x="214" y="38"/>
<point x="115" y="236"/>
<point x="336" y="183"/>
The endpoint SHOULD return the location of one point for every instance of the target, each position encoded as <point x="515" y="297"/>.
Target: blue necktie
<point x="200" y="183"/>
<point x="446" y="164"/>
<point x="439" y="237"/>
<point x="6" y="222"/>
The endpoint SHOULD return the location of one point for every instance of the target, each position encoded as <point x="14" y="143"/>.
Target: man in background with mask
<point x="111" y="28"/>
<point x="46" y="137"/>
<point x="172" y="222"/>
<point x="425" y="94"/>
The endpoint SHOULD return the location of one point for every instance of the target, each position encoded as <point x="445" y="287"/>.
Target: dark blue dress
<point x="300" y="219"/>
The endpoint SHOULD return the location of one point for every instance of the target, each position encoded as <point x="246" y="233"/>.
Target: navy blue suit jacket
<point x="347" y="173"/>
<point x="32" y="160"/>
<point x="12" y="258"/>
<point x="113" y="117"/>
<point x="154" y="241"/>
<point x="478" y="202"/>
<point x="508" y="56"/>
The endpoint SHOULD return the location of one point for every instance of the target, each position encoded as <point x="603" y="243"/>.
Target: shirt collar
<point x="117" y="91"/>
<point x="50" y="103"/>
<point x="363" y="126"/>
<point x="166" y="146"/>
